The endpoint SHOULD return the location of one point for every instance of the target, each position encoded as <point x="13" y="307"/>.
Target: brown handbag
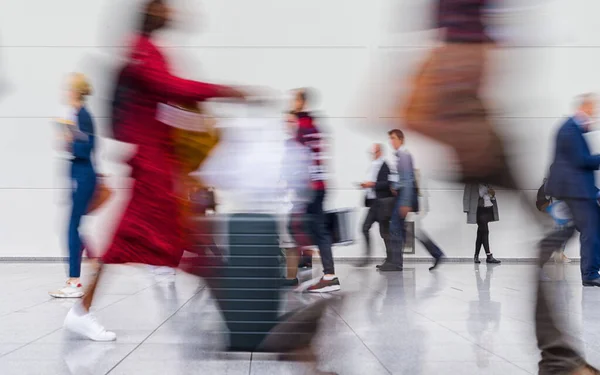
<point x="101" y="195"/>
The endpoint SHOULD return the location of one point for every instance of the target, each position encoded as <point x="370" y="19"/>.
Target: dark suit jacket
<point x="382" y="185"/>
<point x="572" y="171"/>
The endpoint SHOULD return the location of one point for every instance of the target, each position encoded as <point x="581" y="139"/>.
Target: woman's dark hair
<point x="150" y="21"/>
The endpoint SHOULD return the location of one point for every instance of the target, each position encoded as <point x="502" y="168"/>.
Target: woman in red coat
<point x="149" y="232"/>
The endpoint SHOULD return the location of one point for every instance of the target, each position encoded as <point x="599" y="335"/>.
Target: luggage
<point x="248" y="291"/>
<point x="339" y="225"/>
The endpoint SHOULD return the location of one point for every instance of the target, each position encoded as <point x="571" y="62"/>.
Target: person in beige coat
<point x="481" y="207"/>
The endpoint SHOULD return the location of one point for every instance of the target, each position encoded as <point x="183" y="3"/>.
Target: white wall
<point x="357" y="53"/>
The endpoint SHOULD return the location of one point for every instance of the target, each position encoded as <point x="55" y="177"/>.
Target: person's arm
<point x="575" y="151"/>
<point x="150" y="67"/>
<point x="83" y="147"/>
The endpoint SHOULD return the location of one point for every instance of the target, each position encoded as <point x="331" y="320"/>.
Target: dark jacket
<point x="572" y="171"/>
<point x="382" y="185"/>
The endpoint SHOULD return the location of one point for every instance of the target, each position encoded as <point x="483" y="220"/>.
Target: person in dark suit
<point x="379" y="199"/>
<point x="572" y="179"/>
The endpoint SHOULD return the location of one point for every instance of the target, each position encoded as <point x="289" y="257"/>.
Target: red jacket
<point x="308" y="135"/>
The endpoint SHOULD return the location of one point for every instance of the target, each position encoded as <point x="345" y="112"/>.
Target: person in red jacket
<point x="145" y="234"/>
<point x="308" y="135"/>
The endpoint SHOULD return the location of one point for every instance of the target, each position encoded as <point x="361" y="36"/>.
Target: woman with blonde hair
<point x="78" y="131"/>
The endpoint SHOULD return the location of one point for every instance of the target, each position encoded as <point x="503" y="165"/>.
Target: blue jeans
<point x="397" y="236"/>
<point x="83" y="178"/>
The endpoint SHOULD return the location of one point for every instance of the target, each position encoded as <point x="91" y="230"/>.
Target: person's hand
<point x="491" y="192"/>
<point x="404" y="210"/>
<point x="366" y="185"/>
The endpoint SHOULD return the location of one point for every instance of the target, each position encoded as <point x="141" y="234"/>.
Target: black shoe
<point x="290" y="282"/>
<point x="491" y="260"/>
<point x="476" y="260"/>
<point x="325" y="286"/>
<point x="436" y="263"/>
<point x="595" y="282"/>
<point x="390" y="267"/>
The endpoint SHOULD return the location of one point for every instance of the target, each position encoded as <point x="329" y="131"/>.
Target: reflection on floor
<point x="464" y="319"/>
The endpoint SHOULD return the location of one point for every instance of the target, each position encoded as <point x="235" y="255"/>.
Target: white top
<point x="487" y="198"/>
<point x="372" y="176"/>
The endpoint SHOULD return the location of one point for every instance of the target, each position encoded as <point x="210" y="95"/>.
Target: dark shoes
<point x="595" y="282"/>
<point x="290" y="282"/>
<point x="489" y="260"/>
<point x="389" y="267"/>
<point x="436" y="263"/>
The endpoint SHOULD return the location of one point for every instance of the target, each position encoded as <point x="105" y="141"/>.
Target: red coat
<point x="149" y="231"/>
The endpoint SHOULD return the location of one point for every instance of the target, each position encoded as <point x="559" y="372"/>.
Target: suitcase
<point x="339" y="225"/>
<point x="249" y="286"/>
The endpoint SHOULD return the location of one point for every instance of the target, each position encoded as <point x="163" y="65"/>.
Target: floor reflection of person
<point x="149" y="232"/>
<point x="484" y="316"/>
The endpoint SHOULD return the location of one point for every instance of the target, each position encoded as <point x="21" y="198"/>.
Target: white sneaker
<point x="71" y="290"/>
<point x="86" y="325"/>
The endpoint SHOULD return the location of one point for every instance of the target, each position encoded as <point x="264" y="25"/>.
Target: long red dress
<point x="150" y="231"/>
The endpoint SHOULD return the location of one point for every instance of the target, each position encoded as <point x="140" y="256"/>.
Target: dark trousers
<point x="586" y="216"/>
<point x="319" y="232"/>
<point x="484" y="216"/>
<point x="83" y="180"/>
<point x="558" y="354"/>
<point x="397" y="236"/>
<point x="432" y="248"/>
<point x="373" y="216"/>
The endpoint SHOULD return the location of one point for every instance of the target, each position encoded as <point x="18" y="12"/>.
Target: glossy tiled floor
<point x="461" y="320"/>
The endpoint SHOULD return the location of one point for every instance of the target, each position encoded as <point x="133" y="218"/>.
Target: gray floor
<point x="462" y="319"/>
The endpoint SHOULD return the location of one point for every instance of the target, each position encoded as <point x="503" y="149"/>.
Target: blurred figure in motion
<point x="406" y="201"/>
<point x="481" y="207"/>
<point x="296" y="178"/>
<point x="149" y="231"/>
<point x="310" y="136"/>
<point x="445" y="105"/>
<point x="445" y="102"/>
<point x="380" y="201"/>
<point x="572" y="179"/>
<point x="77" y="128"/>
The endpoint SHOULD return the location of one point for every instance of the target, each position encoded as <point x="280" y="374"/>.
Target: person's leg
<point x="587" y="219"/>
<point x="84" y="184"/>
<point x="478" y="241"/>
<point x="367" y="224"/>
<point x="432" y="248"/>
<point x="397" y="231"/>
<point x="319" y="232"/>
<point x="384" y="232"/>
<point x="558" y="356"/>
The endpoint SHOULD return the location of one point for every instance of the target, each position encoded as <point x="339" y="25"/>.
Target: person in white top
<point x="380" y="201"/>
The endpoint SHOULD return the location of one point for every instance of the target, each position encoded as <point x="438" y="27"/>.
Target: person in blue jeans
<point x="78" y="130"/>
